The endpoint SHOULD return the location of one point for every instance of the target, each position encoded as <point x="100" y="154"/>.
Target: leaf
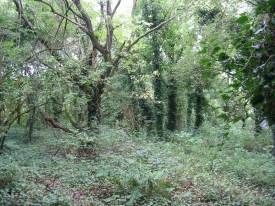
<point x="236" y="119"/>
<point x="224" y="116"/>
<point x="223" y="56"/>
<point x="242" y="20"/>
<point x="225" y="97"/>
<point x="205" y="62"/>
<point x="216" y="50"/>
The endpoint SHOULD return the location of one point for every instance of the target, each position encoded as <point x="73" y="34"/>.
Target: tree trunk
<point x="134" y="7"/>
<point x="273" y="138"/>
<point x="199" y="107"/>
<point x="157" y="83"/>
<point x="56" y="108"/>
<point x="158" y="106"/>
<point x="93" y="105"/>
<point x="2" y="138"/>
<point x="18" y="110"/>
<point x="146" y="114"/>
<point x="172" y="105"/>
<point x="189" y="110"/>
<point x="258" y="119"/>
<point x="30" y="124"/>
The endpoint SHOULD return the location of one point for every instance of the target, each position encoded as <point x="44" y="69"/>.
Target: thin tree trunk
<point x="3" y="138"/>
<point x="199" y="107"/>
<point x="30" y="124"/>
<point x="158" y="106"/>
<point x="134" y="7"/>
<point x="258" y="120"/>
<point x="273" y="138"/>
<point x="18" y="110"/>
<point x="189" y="110"/>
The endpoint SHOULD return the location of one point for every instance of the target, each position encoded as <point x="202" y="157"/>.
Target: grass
<point x="113" y="168"/>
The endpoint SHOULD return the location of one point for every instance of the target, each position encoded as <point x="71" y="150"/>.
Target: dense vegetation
<point x="160" y="103"/>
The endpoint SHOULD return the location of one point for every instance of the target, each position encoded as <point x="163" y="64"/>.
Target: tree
<point x="103" y="58"/>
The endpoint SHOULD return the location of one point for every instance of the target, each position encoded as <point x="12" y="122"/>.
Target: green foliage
<point x="206" y="168"/>
<point x="101" y="84"/>
<point x="8" y="175"/>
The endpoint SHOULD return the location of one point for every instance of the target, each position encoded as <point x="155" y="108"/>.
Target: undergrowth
<point x="114" y="168"/>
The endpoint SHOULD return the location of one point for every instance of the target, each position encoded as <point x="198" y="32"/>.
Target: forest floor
<point x="113" y="168"/>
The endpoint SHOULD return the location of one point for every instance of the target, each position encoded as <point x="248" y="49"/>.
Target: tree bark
<point x="273" y="138"/>
<point x="258" y="119"/>
<point x="134" y="7"/>
<point x="158" y="106"/>
<point x="199" y="107"/>
<point x="189" y="110"/>
<point x="146" y="113"/>
<point x="172" y="105"/>
<point x="157" y="81"/>
<point x="30" y="124"/>
<point x="94" y="103"/>
<point x="56" y="125"/>
<point x="2" y="139"/>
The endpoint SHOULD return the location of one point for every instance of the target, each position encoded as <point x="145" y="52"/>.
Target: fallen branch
<point x="56" y="124"/>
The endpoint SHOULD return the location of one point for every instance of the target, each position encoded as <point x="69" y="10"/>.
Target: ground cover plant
<point x="137" y="102"/>
<point x="135" y="170"/>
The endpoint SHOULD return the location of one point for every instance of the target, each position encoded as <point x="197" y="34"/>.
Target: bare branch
<point x="61" y="15"/>
<point x="90" y="31"/>
<point x="115" y="9"/>
<point x="149" y="32"/>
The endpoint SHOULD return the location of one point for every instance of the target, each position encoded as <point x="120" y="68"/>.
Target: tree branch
<point x="115" y="9"/>
<point x="30" y="26"/>
<point x="149" y="32"/>
<point x="90" y="31"/>
<point x="61" y="15"/>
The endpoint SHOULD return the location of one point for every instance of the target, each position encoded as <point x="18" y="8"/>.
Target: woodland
<point x="137" y="102"/>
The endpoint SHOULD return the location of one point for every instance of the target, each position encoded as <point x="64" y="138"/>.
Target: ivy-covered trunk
<point x="158" y="105"/>
<point x="172" y="105"/>
<point x="273" y="137"/>
<point x="146" y="114"/>
<point x="189" y="110"/>
<point x="258" y="119"/>
<point x="157" y="85"/>
<point x="93" y="105"/>
<point x="199" y="107"/>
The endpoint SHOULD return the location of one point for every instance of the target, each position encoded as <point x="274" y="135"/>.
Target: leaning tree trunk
<point x="172" y="105"/>
<point x="199" y="107"/>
